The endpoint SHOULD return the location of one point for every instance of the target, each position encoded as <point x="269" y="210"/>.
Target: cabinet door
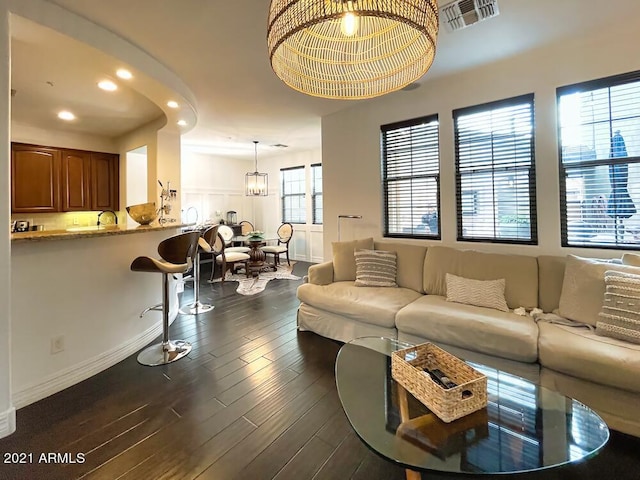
<point x="35" y="179"/>
<point x="104" y="181"/>
<point x="75" y="180"/>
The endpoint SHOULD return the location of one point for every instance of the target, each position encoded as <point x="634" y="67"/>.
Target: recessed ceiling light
<point x="66" y="115"/>
<point x="172" y="104"/>
<point x="124" y="74"/>
<point x="182" y="123"/>
<point x="107" y="85"/>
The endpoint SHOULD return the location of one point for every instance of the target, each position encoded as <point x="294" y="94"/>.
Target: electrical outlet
<point x="57" y="344"/>
<point x="76" y="221"/>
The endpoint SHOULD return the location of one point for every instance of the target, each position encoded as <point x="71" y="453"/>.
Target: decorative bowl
<point x="143" y="213"/>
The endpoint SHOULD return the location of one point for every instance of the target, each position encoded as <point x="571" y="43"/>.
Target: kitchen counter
<point x="90" y="231"/>
<point x="84" y="291"/>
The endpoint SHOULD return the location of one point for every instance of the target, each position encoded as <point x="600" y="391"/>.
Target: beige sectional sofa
<point x="561" y="352"/>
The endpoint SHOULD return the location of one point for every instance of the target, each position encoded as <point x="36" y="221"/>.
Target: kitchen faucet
<point x="115" y="217"/>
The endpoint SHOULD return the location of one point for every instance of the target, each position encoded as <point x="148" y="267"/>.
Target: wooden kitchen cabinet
<point x="76" y="168"/>
<point x="47" y="179"/>
<point x="104" y="181"/>
<point x="35" y="179"/>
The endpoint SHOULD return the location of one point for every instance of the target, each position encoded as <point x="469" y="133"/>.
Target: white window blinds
<point x="495" y="171"/>
<point x="411" y="178"/>
<point x="599" y="132"/>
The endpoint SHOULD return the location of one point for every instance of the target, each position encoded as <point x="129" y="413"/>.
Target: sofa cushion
<point x="480" y="329"/>
<point x="410" y="262"/>
<point x="344" y="261"/>
<point x="583" y="287"/>
<point x="519" y="271"/>
<point x="581" y="353"/>
<point x="550" y="278"/>
<point x="374" y="305"/>
<point x="620" y="315"/>
<point x="481" y="293"/>
<point x="375" y="268"/>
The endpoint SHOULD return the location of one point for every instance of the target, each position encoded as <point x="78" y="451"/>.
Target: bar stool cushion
<point x="148" y="264"/>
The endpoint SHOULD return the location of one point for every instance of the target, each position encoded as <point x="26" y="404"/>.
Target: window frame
<point x="585" y="87"/>
<point x="533" y="218"/>
<point x="384" y="129"/>
<point x="283" y="195"/>
<point x="315" y="193"/>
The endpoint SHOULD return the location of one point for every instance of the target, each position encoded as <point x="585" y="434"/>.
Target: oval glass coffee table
<point x="524" y="428"/>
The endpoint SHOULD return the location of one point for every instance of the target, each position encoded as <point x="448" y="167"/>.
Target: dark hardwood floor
<point x="255" y="399"/>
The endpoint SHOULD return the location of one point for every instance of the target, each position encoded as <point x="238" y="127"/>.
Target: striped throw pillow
<point x="375" y="268"/>
<point x="620" y="315"/>
<point x="481" y="293"/>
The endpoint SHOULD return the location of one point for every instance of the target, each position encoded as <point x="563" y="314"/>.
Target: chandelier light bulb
<point x="349" y="24"/>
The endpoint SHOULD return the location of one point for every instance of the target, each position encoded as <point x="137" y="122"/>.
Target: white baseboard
<point x="7" y="422"/>
<point x="72" y="375"/>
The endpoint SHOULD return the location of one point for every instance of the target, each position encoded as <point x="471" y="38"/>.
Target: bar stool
<point x="177" y="254"/>
<point x="204" y="246"/>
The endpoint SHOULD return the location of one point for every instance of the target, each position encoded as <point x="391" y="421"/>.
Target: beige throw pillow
<point x="375" y="268"/>
<point x="620" y="315"/>
<point x="344" y="260"/>
<point x="481" y="293"/>
<point x="583" y="287"/>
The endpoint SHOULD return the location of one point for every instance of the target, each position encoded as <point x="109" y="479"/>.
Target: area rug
<point x="253" y="285"/>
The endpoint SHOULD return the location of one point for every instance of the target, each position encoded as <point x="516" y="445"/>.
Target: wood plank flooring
<point x="255" y="399"/>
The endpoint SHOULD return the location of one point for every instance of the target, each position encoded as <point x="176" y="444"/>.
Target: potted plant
<point x="255" y="236"/>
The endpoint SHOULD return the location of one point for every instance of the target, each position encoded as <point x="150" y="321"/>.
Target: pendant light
<point x="351" y="49"/>
<point x="256" y="184"/>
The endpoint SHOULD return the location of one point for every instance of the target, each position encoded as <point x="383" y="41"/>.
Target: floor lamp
<point x="340" y="217"/>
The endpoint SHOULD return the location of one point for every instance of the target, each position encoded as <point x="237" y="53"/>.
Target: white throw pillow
<point x="583" y="287"/>
<point x="375" y="268"/>
<point x="481" y="293"/>
<point x="620" y="315"/>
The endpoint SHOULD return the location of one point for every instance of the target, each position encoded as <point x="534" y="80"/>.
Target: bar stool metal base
<point x="164" y="353"/>
<point x="196" y="308"/>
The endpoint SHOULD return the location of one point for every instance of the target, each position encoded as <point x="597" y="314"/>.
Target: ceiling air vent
<point x="463" y="13"/>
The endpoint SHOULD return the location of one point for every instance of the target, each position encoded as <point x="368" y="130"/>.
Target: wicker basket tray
<point x="469" y="394"/>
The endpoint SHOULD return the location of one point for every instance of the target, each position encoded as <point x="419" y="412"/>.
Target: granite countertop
<point x="91" y="231"/>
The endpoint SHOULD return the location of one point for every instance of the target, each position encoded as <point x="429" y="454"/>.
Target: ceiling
<point x="218" y="49"/>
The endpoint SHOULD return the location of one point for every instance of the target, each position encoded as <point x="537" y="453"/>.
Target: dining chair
<point x="227" y="234"/>
<point x="227" y="260"/>
<point x="285" y="233"/>
<point x="247" y="227"/>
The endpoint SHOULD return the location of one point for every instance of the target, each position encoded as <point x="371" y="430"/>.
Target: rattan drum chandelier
<point x="351" y="49"/>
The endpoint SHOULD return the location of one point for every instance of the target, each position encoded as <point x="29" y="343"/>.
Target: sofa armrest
<point x="321" y="273"/>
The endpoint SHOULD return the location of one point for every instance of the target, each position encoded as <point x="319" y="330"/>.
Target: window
<point x="316" y="193"/>
<point x="495" y="172"/>
<point x="293" y="195"/>
<point x="599" y="132"/>
<point x="411" y="178"/>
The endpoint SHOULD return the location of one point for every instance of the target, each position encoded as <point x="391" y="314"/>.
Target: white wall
<point x="23" y="133"/>
<point x="7" y="410"/>
<point x="136" y="176"/>
<point x="351" y="138"/>
<point x="213" y="185"/>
